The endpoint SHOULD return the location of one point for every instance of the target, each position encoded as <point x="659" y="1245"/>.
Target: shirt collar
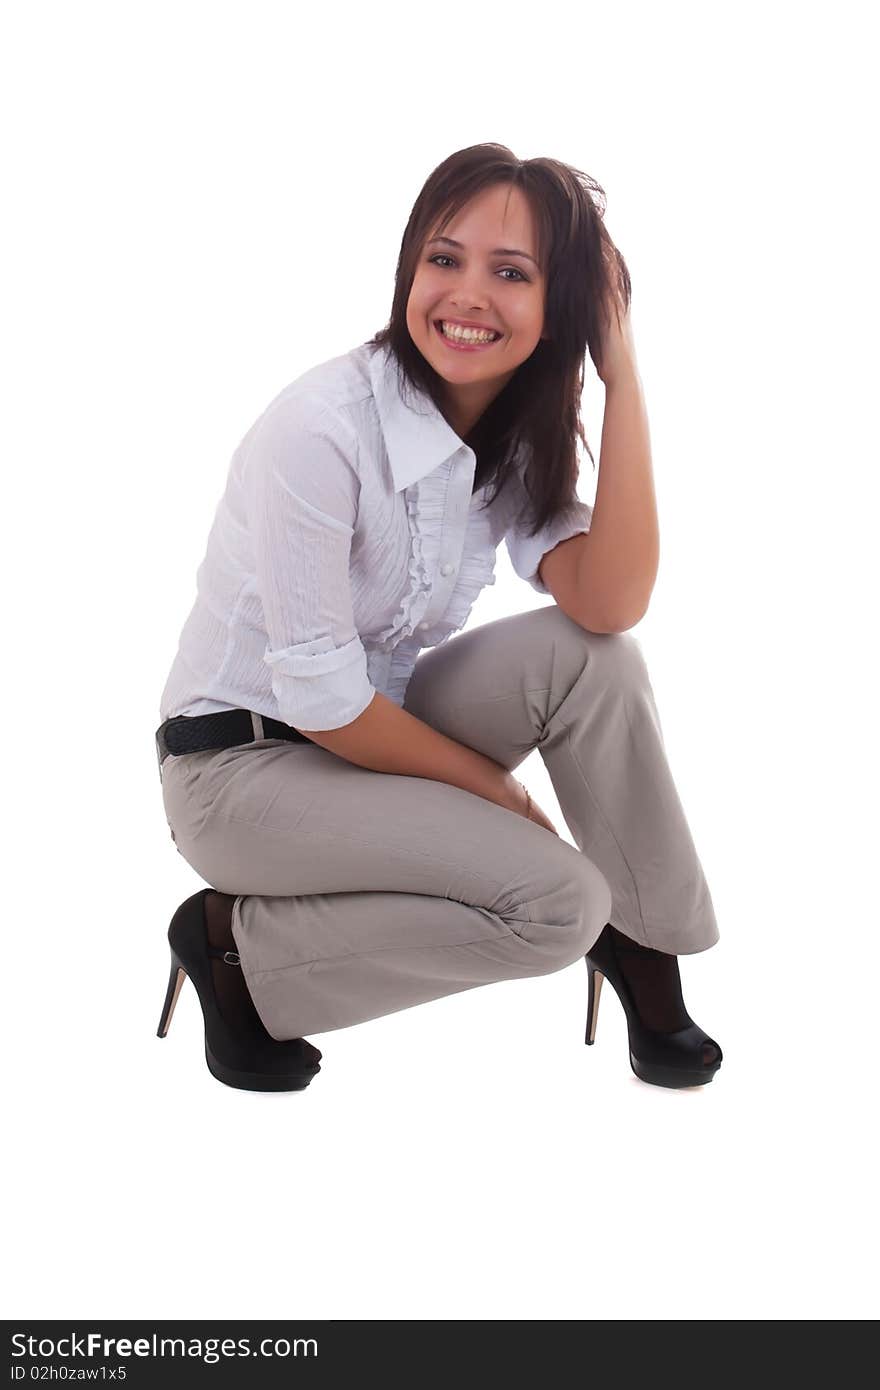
<point x="417" y="436"/>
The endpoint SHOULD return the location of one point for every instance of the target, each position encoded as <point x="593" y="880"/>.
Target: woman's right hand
<point x="525" y="805"/>
<point x="538" y="816"/>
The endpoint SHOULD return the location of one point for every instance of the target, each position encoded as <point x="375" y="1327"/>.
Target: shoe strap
<point x="231" y="957"/>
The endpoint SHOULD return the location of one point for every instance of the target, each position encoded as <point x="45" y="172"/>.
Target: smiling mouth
<point x="464" y="343"/>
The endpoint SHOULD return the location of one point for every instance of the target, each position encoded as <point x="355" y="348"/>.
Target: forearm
<point x="387" y="738"/>
<point x="619" y="557"/>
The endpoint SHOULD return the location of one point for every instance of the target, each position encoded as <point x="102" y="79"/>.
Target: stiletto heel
<point x="175" y="985"/>
<point x="245" y="1055"/>
<point x="674" y="1058"/>
<point x="596" y="978"/>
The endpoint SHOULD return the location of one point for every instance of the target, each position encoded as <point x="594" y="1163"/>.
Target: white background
<point x="203" y="201"/>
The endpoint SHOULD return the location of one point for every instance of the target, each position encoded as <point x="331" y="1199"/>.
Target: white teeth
<point x="467" y="335"/>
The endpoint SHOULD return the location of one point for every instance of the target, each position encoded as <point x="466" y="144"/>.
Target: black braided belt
<point x="187" y="733"/>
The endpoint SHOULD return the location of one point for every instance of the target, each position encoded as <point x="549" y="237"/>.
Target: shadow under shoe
<point x="238" y="1050"/>
<point x="666" y="1046"/>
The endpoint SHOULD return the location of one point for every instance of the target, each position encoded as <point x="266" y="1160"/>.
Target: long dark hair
<point x="536" y="416"/>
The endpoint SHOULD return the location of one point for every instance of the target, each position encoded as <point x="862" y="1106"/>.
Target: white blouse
<point x="347" y="539"/>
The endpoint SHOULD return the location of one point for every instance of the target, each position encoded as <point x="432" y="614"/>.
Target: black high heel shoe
<point x="246" y="1057"/>
<point x="672" y="1058"/>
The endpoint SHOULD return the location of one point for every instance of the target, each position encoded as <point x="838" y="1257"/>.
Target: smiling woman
<point x="325" y="694"/>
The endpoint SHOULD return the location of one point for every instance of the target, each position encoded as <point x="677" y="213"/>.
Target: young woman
<point x="335" y="763"/>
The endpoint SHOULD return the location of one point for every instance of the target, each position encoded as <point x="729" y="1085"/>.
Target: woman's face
<point x="477" y="283"/>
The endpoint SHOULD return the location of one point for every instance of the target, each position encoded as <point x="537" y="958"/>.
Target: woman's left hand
<point x="618" y="350"/>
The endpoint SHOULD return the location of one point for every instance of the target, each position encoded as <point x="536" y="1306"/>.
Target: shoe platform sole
<point x="673" y="1077"/>
<point x="257" y="1081"/>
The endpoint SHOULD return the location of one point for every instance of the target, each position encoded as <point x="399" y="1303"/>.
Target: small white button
<point x="446" y="569"/>
<point x="424" y="625"/>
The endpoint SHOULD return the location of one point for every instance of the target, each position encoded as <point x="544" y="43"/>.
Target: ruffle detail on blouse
<point x="425" y="502"/>
<point x="476" y="572"/>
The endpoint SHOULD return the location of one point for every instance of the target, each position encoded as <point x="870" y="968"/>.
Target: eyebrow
<point x="499" y="250"/>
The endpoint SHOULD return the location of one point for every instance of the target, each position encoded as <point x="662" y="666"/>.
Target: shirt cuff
<point x="320" y="686"/>
<point x="527" y="552"/>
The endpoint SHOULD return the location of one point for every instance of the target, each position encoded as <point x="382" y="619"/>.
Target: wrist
<point x="622" y="375"/>
<point x="515" y="796"/>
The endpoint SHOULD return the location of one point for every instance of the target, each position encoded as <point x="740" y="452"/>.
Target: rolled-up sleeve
<point x="526" y="552"/>
<point x="301" y="489"/>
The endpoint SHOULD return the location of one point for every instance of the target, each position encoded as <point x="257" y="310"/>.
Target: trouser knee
<point x="574" y="913"/>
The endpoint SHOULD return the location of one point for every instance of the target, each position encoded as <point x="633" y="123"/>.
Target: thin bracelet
<point x="528" y="800"/>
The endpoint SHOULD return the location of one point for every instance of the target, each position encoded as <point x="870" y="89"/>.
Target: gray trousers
<point x="358" y="893"/>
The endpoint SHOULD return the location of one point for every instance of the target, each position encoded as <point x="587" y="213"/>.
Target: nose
<point x="471" y="296"/>
<point x="464" y="302"/>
